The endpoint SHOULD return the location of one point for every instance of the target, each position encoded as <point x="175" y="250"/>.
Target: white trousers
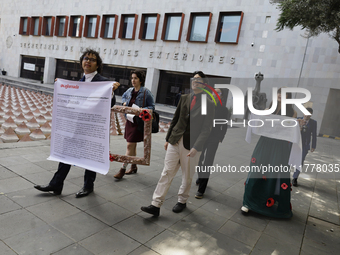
<point x="175" y="157"/>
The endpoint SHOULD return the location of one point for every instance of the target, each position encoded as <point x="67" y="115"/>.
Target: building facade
<point x="232" y="40"/>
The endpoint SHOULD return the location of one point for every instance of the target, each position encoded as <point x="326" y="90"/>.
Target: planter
<point x="3" y="72"/>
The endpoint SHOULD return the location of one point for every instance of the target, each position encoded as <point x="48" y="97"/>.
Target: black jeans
<point x="63" y="169"/>
<point x="206" y="159"/>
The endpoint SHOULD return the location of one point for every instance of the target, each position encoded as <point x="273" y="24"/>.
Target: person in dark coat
<point x="209" y="150"/>
<point x="91" y="64"/>
<point x="308" y="128"/>
<point x="177" y="98"/>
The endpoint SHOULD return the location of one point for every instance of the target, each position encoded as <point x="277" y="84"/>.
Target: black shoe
<point x="46" y="188"/>
<point x="179" y="207"/>
<point x="151" y="209"/>
<point x="199" y="195"/>
<point x="294" y="181"/>
<point x="83" y="192"/>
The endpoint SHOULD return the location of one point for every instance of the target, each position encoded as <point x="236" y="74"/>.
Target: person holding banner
<point x="139" y="96"/>
<point x="268" y="192"/>
<point x="91" y="65"/>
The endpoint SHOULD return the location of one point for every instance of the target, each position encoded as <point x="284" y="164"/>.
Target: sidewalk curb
<point x="329" y="136"/>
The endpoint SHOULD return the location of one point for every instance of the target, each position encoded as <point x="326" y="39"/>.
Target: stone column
<point x="152" y="80"/>
<point x="49" y="70"/>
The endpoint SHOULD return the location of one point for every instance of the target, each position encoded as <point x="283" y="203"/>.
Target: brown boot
<point x="133" y="169"/>
<point x="120" y="174"/>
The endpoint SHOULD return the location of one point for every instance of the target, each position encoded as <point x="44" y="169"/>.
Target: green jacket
<point x="192" y="125"/>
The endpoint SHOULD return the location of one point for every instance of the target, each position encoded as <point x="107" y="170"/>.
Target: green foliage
<point x="316" y="16"/>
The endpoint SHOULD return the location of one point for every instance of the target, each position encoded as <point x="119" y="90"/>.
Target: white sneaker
<point x="244" y="209"/>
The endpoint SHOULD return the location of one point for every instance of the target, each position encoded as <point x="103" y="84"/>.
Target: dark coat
<point x="309" y="134"/>
<point x="218" y="132"/>
<point x="192" y="125"/>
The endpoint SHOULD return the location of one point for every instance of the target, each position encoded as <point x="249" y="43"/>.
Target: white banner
<point x="278" y="127"/>
<point x="81" y="124"/>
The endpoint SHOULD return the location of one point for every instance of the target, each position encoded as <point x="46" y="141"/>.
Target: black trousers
<point x="206" y="159"/>
<point x="63" y="169"/>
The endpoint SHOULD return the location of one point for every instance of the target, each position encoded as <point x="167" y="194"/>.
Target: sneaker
<point x="244" y="210"/>
<point x="151" y="209"/>
<point x="199" y="195"/>
<point x="179" y="207"/>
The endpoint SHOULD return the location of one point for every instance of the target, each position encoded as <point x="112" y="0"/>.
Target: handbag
<point x="155" y="121"/>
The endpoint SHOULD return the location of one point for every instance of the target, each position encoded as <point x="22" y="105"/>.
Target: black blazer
<point x="98" y="77"/>
<point x="309" y="134"/>
<point x="218" y="132"/>
<point x="194" y="127"/>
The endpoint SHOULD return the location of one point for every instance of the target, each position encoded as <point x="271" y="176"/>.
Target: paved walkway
<point x="110" y="221"/>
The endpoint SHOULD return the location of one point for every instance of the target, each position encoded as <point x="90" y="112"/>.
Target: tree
<point x="316" y="16"/>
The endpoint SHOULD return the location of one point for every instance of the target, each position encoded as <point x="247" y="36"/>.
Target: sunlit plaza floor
<point x="109" y="221"/>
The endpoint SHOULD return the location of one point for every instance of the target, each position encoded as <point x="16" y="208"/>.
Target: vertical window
<point x="61" y="26"/>
<point x="36" y="26"/>
<point x="47" y="30"/>
<point x="48" y="26"/>
<point x="268" y="19"/>
<point x="198" y="29"/>
<point x="24" y="32"/>
<point x="91" y="26"/>
<point x="149" y="27"/>
<point x="24" y="28"/>
<point x="109" y="25"/>
<point x="76" y="26"/>
<point x="128" y="26"/>
<point x="229" y="26"/>
<point x="172" y="27"/>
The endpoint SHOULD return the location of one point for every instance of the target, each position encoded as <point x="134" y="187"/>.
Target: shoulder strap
<point x="144" y="98"/>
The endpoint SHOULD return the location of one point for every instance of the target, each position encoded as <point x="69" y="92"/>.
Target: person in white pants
<point x="186" y="136"/>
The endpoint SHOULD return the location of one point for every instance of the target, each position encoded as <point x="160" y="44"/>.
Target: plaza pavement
<point x="109" y="221"/>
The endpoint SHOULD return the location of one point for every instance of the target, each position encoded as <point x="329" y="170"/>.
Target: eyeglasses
<point x="93" y="60"/>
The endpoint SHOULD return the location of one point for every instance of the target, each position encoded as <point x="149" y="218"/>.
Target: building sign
<point x="178" y="56"/>
<point x="29" y="66"/>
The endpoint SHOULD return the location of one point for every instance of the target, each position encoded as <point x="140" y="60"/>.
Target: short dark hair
<point x="200" y="73"/>
<point x="93" y="52"/>
<point x="310" y="110"/>
<point x="140" y="74"/>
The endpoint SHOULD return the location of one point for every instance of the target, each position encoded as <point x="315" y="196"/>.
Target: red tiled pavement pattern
<point x="27" y="116"/>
